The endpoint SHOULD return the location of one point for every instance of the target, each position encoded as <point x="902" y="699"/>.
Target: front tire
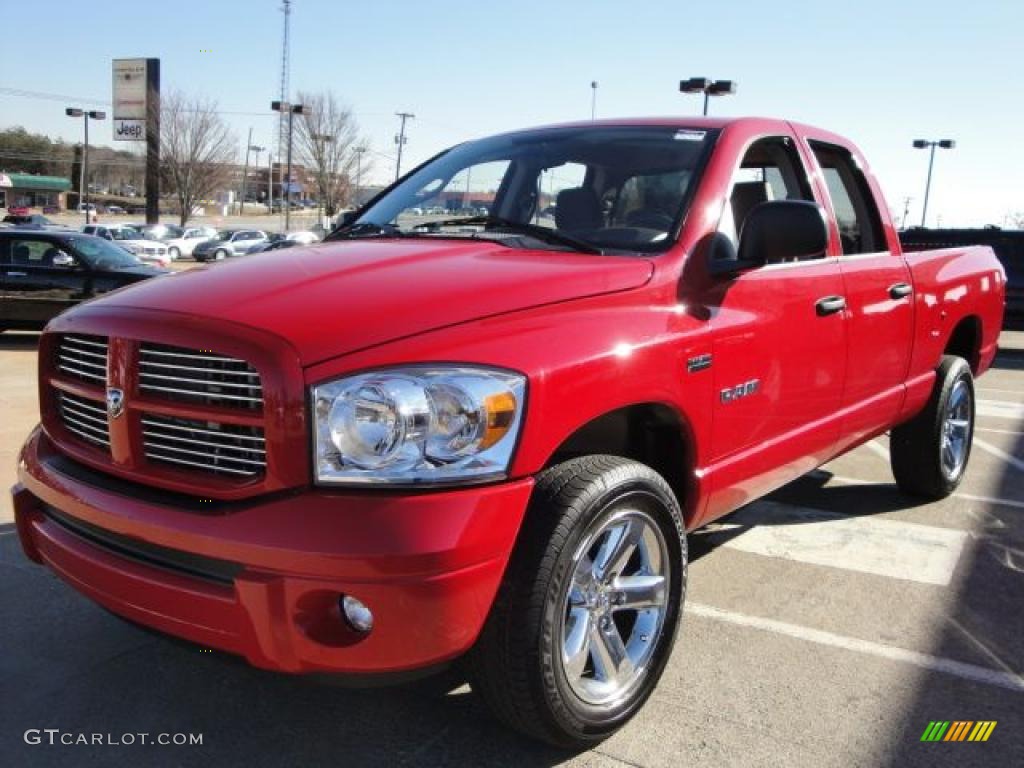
<point x="220" y="255"/>
<point x="587" y="614"/>
<point x="174" y="254"/>
<point x="929" y="453"/>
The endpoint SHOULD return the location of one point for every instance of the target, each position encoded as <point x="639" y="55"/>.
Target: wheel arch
<point x="652" y="433"/>
<point x="965" y="341"/>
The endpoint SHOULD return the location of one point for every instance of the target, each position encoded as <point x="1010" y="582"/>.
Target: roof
<point x="31" y="181"/>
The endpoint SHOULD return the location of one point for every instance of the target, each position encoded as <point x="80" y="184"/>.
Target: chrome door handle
<point x="830" y="305"/>
<point x="900" y="290"/>
<point x="17" y="274"/>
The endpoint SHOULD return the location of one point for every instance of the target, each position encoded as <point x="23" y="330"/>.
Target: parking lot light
<point x="708" y="87"/>
<point x="83" y="179"/>
<point x="292" y="110"/>
<point x="926" y="144"/>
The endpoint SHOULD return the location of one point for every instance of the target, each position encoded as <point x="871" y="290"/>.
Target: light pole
<point x="925" y="144"/>
<point x="400" y="141"/>
<point x="593" y="99"/>
<point x="359" y="172"/>
<point x="250" y="147"/>
<point x="292" y="110"/>
<point x="83" y="179"/>
<point x="257" y="149"/>
<point x="708" y="87"/>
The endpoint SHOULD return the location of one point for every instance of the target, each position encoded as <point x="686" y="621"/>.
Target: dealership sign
<point x="131" y="99"/>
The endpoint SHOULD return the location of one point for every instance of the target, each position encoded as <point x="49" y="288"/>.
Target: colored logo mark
<point x="958" y="730"/>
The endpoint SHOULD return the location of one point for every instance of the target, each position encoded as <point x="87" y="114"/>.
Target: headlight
<point x="417" y="425"/>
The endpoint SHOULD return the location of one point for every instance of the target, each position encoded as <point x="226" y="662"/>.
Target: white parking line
<point x="959" y="495"/>
<point x="1000" y="431"/>
<point x="892" y="548"/>
<point x="995" y="389"/>
<point x="999" y="453"/>
<point x="1000" y="409"/>
<point x="946" y="666"/>
<point x="878" y="448"/>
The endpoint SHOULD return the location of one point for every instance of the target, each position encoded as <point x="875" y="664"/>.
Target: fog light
<point x="356" y="614"/>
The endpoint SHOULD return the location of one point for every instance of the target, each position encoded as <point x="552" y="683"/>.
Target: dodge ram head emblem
<point x="115" y="402"/>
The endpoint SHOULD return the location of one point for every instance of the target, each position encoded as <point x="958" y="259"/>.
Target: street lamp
<point x="359" y="171"/>
<point x="83" y="179"/>
<point x="708" y="87"/>
<point x="292" y="110"/>
<point x="245" y="171"/>
<point x="925" y="144"/>
<point x="593" y="99"/>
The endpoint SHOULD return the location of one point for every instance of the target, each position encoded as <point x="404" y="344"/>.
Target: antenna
<point x="286" y="8"/>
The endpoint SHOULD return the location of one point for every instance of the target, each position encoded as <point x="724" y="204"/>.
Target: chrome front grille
<point x="85" y="418"/>
<point x="217" y="448"/>
<point x="199" y="376"/>
<point x="83" y="357"/>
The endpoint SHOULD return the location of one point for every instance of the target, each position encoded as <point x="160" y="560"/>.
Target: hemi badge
<point x="698" y="363"/>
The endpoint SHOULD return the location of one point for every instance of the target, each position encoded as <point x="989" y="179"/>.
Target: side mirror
<point x="783" y="230"/>
<point x="62" y="259"/>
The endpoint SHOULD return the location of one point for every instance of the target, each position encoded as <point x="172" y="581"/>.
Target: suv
<point x="42" y="273"/>
<point x="229" y="242"/>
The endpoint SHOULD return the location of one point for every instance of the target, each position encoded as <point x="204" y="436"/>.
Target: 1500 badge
<point x="747" y="388"/>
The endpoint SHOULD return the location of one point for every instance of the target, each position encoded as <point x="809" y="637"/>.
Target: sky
<point x="882" y="73"/>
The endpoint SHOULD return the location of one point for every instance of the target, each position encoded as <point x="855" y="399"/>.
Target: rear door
<point x="779" y="347"/>
<point x="879" y="296"/>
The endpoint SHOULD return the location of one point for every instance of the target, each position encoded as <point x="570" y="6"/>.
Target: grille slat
<point x="84" y="357"/>
<point x="82" y="418"/>
<point x="216" y="448"/>
<point x="210" y="379"/>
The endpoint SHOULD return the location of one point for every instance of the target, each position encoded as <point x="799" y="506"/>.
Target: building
<point x="31" y="191"/>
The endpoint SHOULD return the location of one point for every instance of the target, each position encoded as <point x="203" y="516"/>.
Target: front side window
<point x="771" y="169"/>
<point x="618" y="189"/>
<point x="101" y="254"/>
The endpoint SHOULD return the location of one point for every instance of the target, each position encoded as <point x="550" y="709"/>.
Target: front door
<point x="35" y="289"/>
<point x="779" y="348"/>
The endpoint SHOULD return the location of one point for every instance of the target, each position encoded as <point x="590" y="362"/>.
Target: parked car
<point x="50" y="210"/>
<point x="274" y="245"/>
<point x="18" y="210"/>
<point x="489" y="440"/>
<point x="32" y="220"/>
<point x="182" y="241"/>
<point x="116" y="210"/>
<point x="148" y="251"/>
<point x="229" y="242"/>
<point x="83" y="207"/>
<point x="42" y="273"/>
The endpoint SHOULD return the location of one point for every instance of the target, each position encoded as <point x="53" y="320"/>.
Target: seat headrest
<point x="746" y="195"/>
<point x="578" y="208"/>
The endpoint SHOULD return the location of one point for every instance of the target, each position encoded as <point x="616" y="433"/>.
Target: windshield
<point x="224" y="235"/>
<point x="102" y="254"/>
<point x="125" y="234"/>
<point x="604" y="188"/>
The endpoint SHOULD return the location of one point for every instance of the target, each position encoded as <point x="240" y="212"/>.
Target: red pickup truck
<point x="482" y="432"/>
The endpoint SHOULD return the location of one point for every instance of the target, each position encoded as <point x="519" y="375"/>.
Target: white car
<point x="129" y="238"/>
<point x="184" y="243"/>
<point x="304" y="237"/>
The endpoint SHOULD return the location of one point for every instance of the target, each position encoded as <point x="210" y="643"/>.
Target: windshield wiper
<point x="533" y="230"/>
<point x="365" y="229"/>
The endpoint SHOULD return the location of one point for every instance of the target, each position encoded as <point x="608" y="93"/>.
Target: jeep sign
<point x="130" y="102"/>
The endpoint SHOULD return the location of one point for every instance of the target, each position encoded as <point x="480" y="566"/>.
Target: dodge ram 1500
<point x="478" y="422"/>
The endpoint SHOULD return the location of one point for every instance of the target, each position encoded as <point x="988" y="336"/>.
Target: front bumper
<point x="262" y="578"/>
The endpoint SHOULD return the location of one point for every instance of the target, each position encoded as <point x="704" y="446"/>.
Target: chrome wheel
<point x="615" y="606"/>
<point x="956" y="430"/>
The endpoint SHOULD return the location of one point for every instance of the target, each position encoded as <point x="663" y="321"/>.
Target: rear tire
<point x="587" y="614"/>
<point x="929" y="453"/>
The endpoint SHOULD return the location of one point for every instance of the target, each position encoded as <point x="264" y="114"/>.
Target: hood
<point x="334" y="298"/>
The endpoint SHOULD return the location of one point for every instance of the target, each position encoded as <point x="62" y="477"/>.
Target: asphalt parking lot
<point x="825" y="626"/>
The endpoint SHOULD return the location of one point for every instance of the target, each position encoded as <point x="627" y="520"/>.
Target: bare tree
<point x="327" y="134"/>
<point x="1015" y="220"/>
<point x="197" y="149"/>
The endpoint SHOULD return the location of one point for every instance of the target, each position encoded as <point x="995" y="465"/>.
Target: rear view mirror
<point x="62" y="259"/>
<point x="783" y="230"/>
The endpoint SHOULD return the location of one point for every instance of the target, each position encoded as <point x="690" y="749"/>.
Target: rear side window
<point x="860" y="226"/>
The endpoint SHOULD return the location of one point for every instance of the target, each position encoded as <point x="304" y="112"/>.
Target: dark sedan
<point x="42" y="273"/>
